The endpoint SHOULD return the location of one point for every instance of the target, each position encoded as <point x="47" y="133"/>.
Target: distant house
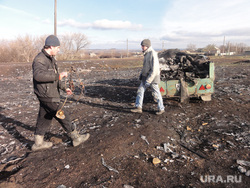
<point x="228" y="53"/>
<point x="246" y="52"/>
<point x="217" y="51"/>
<point x="214" y="52"/>
<point x="91" y="54"/>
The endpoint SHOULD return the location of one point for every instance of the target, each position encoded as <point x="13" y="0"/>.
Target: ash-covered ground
<point x="197" y="144"/>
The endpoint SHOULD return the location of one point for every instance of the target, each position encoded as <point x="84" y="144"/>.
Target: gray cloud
<point x="103" y="24"/>
<point x="237" y="32"/>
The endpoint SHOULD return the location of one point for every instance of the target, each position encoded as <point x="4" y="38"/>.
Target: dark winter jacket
<point x="46" y="78"/>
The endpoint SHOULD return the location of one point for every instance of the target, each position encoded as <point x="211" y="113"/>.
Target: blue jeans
<point x="156" y="94"/>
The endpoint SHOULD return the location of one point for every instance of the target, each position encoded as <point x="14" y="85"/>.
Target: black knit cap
<point x="52" y="40"/>
<point x="146" y="42"/>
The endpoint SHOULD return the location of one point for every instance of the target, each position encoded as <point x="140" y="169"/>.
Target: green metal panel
<point x="211" y="71"/>
<point x="163" y="88"/>
<point x="204" y="82"/>
<point x="172" y="88"/>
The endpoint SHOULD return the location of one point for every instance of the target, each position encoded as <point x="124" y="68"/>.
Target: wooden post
<point x="55" y="15"/>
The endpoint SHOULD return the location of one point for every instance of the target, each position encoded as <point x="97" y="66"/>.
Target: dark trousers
<point x="47" y="112"/>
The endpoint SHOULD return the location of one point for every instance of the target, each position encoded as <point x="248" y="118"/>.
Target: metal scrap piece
<point x="109" y="167"/>
<point x="242" y="162"/>
<point x="145" y="139"/>
<point x="167" y="148"/>
<point x="195" y="152"/>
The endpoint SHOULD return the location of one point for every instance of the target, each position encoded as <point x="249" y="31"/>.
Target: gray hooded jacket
<point x="151" y="70"/>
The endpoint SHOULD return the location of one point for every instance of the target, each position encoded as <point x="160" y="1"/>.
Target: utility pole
<point x="229" y="46"/>
<point x="127" y="47"/>
<point x="55" y="14"/>
<point x="224" y="45"/>
<point x="162" y="45"/>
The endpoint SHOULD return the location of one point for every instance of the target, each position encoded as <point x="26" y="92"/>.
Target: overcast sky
<point x="110" y="23"/>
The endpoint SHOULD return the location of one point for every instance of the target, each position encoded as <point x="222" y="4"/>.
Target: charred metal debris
<point x="176" y="65"/>
<point x="75" y="82"/>
<point x="77" y="87"/>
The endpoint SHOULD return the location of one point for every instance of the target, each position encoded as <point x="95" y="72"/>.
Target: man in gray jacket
<point x="150" y="76"/>
<point x="47" y="83"/>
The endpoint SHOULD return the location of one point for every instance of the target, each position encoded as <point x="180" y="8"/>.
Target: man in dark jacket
<point x="47" y="83"/>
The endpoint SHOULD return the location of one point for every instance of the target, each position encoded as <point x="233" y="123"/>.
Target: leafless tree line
<point x="24" y="49"/>
<point x="238" y="48"/>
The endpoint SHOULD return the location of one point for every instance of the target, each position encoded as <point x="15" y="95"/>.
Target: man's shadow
<point x="11" y="124"/>
<point x="122" y="91"/>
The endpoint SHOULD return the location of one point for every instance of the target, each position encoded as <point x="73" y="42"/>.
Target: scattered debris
<point x="61" y="186"/>
<point x="13" y="159"/>
<point x="242" y="169"/>
<point x="109" y="167"/>
<point x="176" y="65"/>
<point x="247" y="173"/>
<point x="67" y="167"/>
<point x="145" y="139"/>
<point x="195" y="152"/>
<point x="156" y="161"/>
<point x="127" y="186"/>
<point x="103" y="112"/>
<point x="244" y="163"/>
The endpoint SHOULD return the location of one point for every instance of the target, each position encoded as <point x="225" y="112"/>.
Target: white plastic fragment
<point x="167" y="148"/>
<point x="247" y="173"/>
<point x="145" y="139"/>
<point x="67" y="167"/>
<point x="61" y="186"/>
<point x="242" y="169"/>
<point x="128" y="186"/>
<point x="244" y="163"/>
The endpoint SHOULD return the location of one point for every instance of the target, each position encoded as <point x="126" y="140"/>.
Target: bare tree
<point x="4" y="51"/>
<point x="209" y="48"/>
<point x="66" y="47"/>
<point x="39" y="42"/>
<point x="22" y="49"/>
<point x="238" y="48"/>
<point x="80" y="41"/>
<point x="191" y="47"/>
<point x="72" y="44"/>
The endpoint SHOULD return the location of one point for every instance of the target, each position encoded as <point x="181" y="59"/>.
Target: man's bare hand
<point x="68" y="91"/>
<point x="62" y="75"/>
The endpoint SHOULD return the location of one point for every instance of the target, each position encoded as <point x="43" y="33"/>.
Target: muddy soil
<point x="198" y="144"/>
